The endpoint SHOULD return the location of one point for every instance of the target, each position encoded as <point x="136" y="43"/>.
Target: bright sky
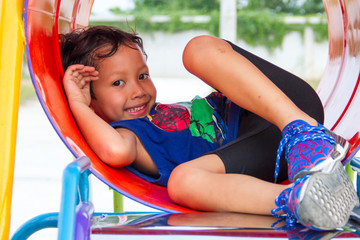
<point x="102" y="6"/>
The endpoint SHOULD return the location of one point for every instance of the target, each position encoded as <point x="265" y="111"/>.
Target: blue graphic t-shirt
<point x="176" y="133"/>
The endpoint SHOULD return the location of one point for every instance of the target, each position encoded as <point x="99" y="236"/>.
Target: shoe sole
<point x="327" y="199"/>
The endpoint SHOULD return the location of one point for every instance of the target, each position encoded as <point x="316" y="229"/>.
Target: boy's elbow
<point x="117" y="157"/>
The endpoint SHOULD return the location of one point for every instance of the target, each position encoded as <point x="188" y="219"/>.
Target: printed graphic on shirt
<point x="202" y="120"/>
<point x="221" y="108"/>
<point x="202" y="124"/>
<point x="171" y="117"/>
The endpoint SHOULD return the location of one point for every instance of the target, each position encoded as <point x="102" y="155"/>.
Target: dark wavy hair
<point x="82" y="46"/>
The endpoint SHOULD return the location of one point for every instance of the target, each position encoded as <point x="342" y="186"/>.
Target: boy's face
<point x="124" y="89"/>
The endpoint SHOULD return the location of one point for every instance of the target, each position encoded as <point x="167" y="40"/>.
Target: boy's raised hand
<point x="101" y="137"/>
<point x="77" y="80"/>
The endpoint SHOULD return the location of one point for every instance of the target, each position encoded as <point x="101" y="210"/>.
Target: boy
<point x="216" y="153"/>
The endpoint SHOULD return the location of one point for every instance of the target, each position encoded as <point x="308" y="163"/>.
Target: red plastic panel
<point x="336" y="48"/>
<point x="45" y="20"/>
<point x="350" y="118"/>
<point x="339" y="88"/>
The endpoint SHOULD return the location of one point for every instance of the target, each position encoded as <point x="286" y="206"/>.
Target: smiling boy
<point x="216" y="153"/>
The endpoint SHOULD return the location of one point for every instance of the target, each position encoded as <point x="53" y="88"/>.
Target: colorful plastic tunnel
<point x="46" y="21"/>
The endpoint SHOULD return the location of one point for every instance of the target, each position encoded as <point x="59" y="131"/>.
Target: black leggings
<point x="254" y="151"/>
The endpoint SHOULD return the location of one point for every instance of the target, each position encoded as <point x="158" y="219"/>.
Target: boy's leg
<point x="216" y="63"/>
<point x="295" y="88"/>
<point x="244" y="84"/>
<point x="203" y="185"/>
<point x="307" y="144"/>
<point x="308" y="101"/>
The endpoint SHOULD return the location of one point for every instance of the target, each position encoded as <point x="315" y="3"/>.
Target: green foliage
<point x="261" y="28"/>
<point x="321" y="32"/>
<point x="287" y="6"/>
<point x="312" y="6"/>
<point x="165" y="6"/>
<point x="273" y="5"/>
<point x="142" y="23"/>
<point x="259" y="22"/>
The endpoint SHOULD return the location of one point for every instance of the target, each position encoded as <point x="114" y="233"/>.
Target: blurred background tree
<point x="286" y="6"/>
<point x="163" y="6"/>
<point x="205" y="6"/>
<point x="260" y="22"/>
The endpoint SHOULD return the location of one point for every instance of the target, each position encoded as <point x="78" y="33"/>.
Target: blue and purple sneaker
<point x="320" y="201"/>
<point x="322" y="195"/>
<point x="310" y="149"/>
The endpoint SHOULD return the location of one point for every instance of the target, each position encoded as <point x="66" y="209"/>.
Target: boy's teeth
<point x="135" y="109"/>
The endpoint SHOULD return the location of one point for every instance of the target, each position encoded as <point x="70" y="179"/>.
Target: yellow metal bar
<point x="11" y="54"/>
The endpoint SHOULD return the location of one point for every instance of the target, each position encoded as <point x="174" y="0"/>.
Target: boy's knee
<point x="195" y="49"/>
<point x="200" y="49"/>
<point x="199" y="42"/>
<point x="180" y="182"/>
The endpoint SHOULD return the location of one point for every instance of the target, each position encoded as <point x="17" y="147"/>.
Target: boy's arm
<point x="116" y="148"/>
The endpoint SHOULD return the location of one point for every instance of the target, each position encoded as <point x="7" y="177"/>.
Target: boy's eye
<point x="118" y="83"/>
<point x="143" y="76"/>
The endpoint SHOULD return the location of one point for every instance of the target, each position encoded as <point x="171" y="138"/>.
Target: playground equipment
<point x="44" y="25"/>
<point x="45" y="21"/>
<point x="11" y="53"/>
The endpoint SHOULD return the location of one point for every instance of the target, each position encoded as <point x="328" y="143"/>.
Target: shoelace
<point x="291" y="141"/>
<point x="281" y="202"/>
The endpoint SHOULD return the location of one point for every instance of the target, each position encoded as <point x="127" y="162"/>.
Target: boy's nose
<point x="137" y="90"/>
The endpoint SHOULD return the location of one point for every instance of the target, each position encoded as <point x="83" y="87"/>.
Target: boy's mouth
<point x="136" y="109"/>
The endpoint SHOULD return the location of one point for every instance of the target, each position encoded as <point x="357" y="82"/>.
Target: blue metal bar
<point x="69" y="197"/>
<point x="84" y="186"/>
<point x="48" y="220"/>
